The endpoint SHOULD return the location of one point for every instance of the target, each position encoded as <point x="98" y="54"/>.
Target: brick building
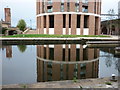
<point x="110" y="27"/>
<point x="7" y="22"/>
<point x="81" y="17"/>
<point x="52" y="66"/>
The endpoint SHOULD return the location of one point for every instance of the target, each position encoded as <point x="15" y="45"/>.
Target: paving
<point x="83" y="83"/>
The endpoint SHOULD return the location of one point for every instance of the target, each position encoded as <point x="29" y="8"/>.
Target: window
<point x="85" y="54"/>
<point x="78" y="21"/>
<point x="64" y="20"/>
<point x="51" y="53"/>
<point x="86" y="21"/>
<point x="85" y="9"/>
<point x="68" y="54"/>
<point x="83" y="71"/>
<point x="44" y="21"/>
<point x="77" y="6"/>
<point x="49" y="9"/>
<point x="69" y="20"/>
<point x="85" y="1"/>
<point x="77" y="54"/>
<point x="50" y="2"/>
<point x="42" y="7"/>
<point x="68" y="6"/>
<point x="63" y="57"/>
<point x="51" y="21"/>
<point x="62" y="6"/>
<point x="44" y="52"/>
<point x="95" y="7"/>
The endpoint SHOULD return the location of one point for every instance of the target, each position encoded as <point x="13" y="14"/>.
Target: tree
<point x="21" y="25"/>
<point x="3" y="30"/>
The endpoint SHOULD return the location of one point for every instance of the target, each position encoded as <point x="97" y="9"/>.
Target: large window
<point x="63" y="57"/>
<point x="78" y="21"/>
<point x="69" y="20"/>
<point x="64" y="21"/>
<point x="77" y="54"/>
<point x="44" y="52"/>
<point x="85" y="54"/>
<point x="51" y="21"/>
<point x="44" y="21"/>
<point x="51" y="53"/>
<point x="86" y="18"/>
<point x="69" y="55"/>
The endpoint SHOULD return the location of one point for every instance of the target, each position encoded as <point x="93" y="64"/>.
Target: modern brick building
<point x="81" y="17"/>
<point x="61" y="62"/>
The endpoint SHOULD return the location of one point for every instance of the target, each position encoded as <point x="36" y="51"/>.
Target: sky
<point x="26" y="9"/>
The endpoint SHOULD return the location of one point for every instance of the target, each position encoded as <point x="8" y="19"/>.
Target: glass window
<point x="68" y="5"/>
<point x="62" y="5"/>
<point x="85" y="1"/>
<point x="85" y="9"/>
<point x="49" y="9"/>
<point x="62" y="8"/>
<point x="77" y="6"/>
<point x="50" y="2"/>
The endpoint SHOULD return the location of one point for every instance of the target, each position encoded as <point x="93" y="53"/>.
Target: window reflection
<point x="65" y="71"/>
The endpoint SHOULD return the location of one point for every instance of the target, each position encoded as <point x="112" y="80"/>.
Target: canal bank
<point x="77" y="40"/>
<point x="82" y="83"/>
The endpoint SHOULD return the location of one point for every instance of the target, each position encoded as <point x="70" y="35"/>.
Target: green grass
<point x="24" y="86"/>
<point x="52" y="36"/>
<point x="108" y="83"/>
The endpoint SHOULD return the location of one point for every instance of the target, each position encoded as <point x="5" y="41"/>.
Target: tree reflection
<point x="108" y="61"/>
<point x="117" y="65"/>
<point x="113" y="60"/>
<point x="22" y="48"/>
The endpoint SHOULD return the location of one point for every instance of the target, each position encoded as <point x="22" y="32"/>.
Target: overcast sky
<point x="26" y="9"/>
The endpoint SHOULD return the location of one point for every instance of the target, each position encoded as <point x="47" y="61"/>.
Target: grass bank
<point x="51" y="36"/>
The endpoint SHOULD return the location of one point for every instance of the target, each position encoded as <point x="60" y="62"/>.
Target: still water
<point x="27" y="64"/>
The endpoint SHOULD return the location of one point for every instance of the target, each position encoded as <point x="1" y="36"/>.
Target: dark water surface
<point x="25" y="64"/>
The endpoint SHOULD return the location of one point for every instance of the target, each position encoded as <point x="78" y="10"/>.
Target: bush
<point x="3" y="30"/>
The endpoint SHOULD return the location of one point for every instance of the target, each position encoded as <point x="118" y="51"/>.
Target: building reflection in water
<point x="8" y="51"/>
<point x="53" y="62"/>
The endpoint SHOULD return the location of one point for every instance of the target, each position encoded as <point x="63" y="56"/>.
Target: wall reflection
<point x="47" y="70"/>
<point x="8" y="51"/>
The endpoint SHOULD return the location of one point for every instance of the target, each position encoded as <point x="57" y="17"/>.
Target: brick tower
<point x="7" y="15"/>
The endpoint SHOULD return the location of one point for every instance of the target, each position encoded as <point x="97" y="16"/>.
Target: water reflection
<point x="56" y="62"/>
<point x="22" y="48"/>
<point x="111" y="58"/>
<point x="54" y="69"/>
<point x="9" y="51"/>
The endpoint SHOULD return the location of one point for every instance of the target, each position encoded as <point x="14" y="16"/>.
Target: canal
<point x="28" y="64"/>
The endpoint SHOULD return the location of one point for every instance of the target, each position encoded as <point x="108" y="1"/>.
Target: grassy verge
<point x="52" y="36"/>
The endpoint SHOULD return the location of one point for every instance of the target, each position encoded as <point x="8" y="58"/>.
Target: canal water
<point x="27" y="64"/>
